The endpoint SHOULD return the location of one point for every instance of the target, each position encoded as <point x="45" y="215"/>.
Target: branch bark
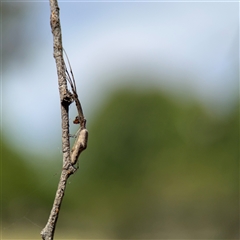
<point x="66" y="98"/>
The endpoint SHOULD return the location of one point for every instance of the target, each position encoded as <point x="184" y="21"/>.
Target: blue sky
<point x="187" y="48"/>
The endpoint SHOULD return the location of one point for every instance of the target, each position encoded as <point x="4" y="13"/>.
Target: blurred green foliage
<point x="154" y="168"/>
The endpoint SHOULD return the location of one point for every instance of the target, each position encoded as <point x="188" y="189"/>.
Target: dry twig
<point x="66" y="98"/>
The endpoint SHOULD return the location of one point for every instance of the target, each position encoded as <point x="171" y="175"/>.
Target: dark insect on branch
<point x="82" y="134"/>
<point x="70" y="78"/>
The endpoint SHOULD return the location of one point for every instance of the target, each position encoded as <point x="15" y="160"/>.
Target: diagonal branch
<point x="66" y="98"/>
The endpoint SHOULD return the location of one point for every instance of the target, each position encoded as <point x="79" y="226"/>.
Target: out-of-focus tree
<point x="154" y="168"/>
<point x="157" y="169"/>
<point x="26" y="196"/>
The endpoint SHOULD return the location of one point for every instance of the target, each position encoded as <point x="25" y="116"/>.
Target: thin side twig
<point x="72" y="83"/>
<point x="66" y="98"/>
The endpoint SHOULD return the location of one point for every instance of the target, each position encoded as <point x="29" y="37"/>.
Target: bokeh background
<point x="159" y="85"/>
